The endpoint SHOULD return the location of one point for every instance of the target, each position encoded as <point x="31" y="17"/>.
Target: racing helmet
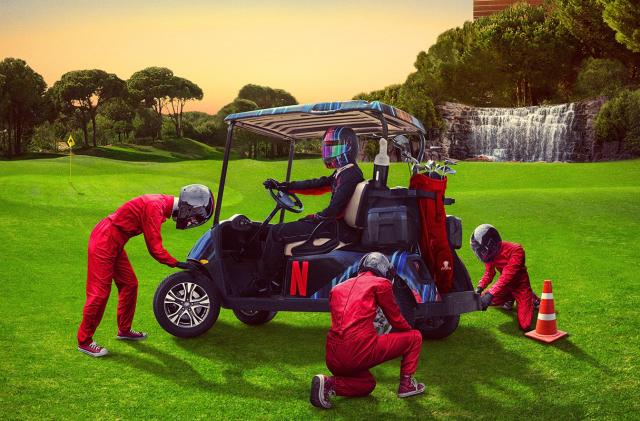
<point x="195" y="206"/>
<point x="378" y="264"/>
<point x="339" y="147"/>
<point x="485" y="242"/>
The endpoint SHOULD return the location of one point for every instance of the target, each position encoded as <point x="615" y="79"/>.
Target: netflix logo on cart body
<point x="299" y="278"/>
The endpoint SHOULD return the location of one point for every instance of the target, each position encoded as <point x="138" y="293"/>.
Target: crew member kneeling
<point x="108" y="260"/>
<point x="353" y="346"/>
<point x="513" y="285"/>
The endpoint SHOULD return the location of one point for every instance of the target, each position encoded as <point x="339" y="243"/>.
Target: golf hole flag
<point x="71" y="142"/>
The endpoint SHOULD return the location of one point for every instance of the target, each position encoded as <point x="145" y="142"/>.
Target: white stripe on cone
<point x="542" y="316"/>
<point x="547" y="296"/>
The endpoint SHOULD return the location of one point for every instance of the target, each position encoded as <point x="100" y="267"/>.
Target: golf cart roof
<point x="309" y="121"/>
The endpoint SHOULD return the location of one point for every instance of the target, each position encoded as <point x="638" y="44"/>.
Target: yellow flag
<point x="71" y="142"/>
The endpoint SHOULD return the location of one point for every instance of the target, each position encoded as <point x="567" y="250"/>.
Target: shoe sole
<point x="317" y="391"/>
<point x="412" y="393"/>
<point x="126" y="338"/>
<point x="93" y="354"/>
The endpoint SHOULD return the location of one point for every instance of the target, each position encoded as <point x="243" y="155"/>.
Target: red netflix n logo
<point x="299" y="278"/>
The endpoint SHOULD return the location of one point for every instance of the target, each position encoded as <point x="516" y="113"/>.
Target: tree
<point x="85" y="91"/>
<point x="623" y="16"/>
<point x="266" y="97"/>
<point x="247" y="143"/>
<point x="600" y="77"/>
<point x="153" y="87"/>
<point x="183" y="90"/>
<point x="121" y="113"/>
<point x="24" y="96"/>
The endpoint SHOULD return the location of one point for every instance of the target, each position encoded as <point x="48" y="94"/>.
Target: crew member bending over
<point x="108" y="260"/>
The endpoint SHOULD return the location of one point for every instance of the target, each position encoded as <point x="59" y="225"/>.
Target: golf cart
<point x="225" y="258"/>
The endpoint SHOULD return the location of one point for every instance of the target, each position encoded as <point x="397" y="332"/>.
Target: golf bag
<point x="434" y="243"/>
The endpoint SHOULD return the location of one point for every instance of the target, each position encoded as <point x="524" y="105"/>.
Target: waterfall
<point x="543" y="133"/>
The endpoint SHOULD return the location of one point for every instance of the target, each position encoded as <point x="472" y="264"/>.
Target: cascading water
<point x="543" y="133"/>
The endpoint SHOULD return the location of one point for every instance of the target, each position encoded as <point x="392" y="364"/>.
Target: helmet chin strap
<point x="174" y="212"/>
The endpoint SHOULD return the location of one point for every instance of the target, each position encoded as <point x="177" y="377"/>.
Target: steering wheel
<point x="286" y="200"/>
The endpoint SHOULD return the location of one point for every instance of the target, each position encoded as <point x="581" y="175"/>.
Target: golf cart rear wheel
<point x="254" y="317"/>
<point x="438" y="328"/>
<point x="186" y="304"/>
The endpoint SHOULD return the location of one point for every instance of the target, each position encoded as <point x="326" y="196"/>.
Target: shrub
<point x="619" y="121"/>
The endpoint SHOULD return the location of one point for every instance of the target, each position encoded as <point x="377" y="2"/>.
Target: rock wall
<point x="457" y="136"/>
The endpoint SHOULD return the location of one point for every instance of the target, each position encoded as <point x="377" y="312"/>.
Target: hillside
<point x="166" y="150"/>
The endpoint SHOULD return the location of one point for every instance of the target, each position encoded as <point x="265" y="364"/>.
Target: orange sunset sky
<point x="318" y="51"/>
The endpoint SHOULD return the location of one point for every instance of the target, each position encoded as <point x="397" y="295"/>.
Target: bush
<point x="46" y="137"/>
<point x="600" y="77"/>
<point x="619" y="121"/>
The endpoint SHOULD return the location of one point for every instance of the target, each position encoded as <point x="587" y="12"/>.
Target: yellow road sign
<point x="71" y="142"/>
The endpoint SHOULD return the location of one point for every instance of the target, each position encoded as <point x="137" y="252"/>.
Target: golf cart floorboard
<point x="277" y="303"/>
<point x="452" y="304"/>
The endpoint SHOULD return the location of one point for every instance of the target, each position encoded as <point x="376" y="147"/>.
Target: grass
<point x="578" y="223"/>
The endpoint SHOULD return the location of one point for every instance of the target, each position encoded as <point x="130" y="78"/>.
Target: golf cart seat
<point x="353" y="216"/>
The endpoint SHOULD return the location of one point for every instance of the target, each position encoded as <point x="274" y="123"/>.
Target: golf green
<point x="578" y="223"/>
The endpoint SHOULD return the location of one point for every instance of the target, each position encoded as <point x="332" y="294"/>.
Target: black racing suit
<point x="342" y="183"/>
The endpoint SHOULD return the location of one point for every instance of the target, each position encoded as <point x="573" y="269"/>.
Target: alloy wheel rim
<point x="187" y="305"/>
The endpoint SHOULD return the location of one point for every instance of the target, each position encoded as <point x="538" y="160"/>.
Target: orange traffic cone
<point x="546" y="328"/>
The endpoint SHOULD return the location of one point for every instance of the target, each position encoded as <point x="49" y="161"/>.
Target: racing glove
<point x="485" y="300"/>
<point x="479" y="290"/>
<point x="272" y="184"/>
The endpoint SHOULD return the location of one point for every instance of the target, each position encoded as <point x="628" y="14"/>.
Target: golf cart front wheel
<point x="254" y="317"/>
<point x="186" y="304"/>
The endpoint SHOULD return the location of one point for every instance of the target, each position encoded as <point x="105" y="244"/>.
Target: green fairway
<point x="577" y="222"/>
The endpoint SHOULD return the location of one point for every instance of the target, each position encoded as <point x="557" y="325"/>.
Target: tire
<point x="254" y="317"/>
<point x="191" y="317"/>
<point x="441" y="327"/>
<point x="438" y="327"/>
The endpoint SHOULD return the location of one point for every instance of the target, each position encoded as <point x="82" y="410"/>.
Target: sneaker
<point x="322" y="391"/>
<point x="93" y="349"/>
<point x="131" y="335"/>
<point x="409" y="386"/>
<point x="508" y="305"/>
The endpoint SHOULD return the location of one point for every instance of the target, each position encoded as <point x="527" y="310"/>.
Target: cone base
<point x="546" y="338"/>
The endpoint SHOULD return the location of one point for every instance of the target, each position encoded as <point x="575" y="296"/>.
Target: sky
<point x="317" y="50"/>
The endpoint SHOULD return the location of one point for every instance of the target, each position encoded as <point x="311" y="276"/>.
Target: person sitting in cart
<point x="508" y="259"/>
<point x="108" y="260"/>
<point x="353" y="345"/>
<point x="339" y="152"/>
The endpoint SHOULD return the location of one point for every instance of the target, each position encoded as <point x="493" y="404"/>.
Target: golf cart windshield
<point x="310" y="121"/>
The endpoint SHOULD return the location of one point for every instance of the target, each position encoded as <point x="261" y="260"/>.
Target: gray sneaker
<point x="508" y="305"/>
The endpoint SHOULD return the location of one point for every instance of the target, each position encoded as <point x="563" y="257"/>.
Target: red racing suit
<point x="353" y="346"/>
<point x="513" y="283"/>
<point x="108" y="261"/>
